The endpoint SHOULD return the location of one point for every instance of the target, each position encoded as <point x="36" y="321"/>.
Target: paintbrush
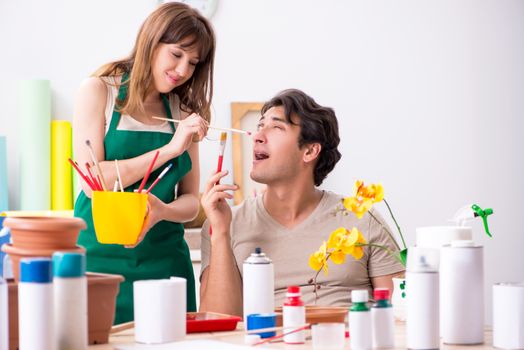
<point x="119" y="177"/>
<point x="95" y="162"/>
<point x="211" y="126"/>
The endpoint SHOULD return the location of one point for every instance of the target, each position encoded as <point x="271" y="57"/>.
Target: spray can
<point x="70" y="301"/>
<point x="462" y="290"/>
<point x="383" y="323"/>
<point x="422" y="303"/>
<point x="35" y="305"/>
<point x="258" y="284"/>
<point x="359" y="321"/>
<point x="4" y="315"/>
<point x="294" y="314"/>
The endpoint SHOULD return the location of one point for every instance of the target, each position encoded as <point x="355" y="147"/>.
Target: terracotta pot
<point x="16" y="254"/>
<point x="102" y="290"/>
<point x="44" y="232"/>
<point x="319" y="314"/>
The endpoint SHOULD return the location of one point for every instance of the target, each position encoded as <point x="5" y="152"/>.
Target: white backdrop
<point x="429" y="94"/>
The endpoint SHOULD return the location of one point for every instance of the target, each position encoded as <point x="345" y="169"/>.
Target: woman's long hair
<point x="169" y="24"/>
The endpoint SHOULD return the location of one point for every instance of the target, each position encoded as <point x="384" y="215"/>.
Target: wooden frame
<point x="240" y="110"/>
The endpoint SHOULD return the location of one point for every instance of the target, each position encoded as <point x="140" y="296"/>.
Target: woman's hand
<point x="153" y="216"/>
<point x="191" y="129"/>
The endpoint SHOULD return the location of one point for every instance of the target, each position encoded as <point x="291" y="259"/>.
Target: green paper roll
<point x="61" y="170"/>
<point x="4" y="202"/>
<point x="34" y="114"/>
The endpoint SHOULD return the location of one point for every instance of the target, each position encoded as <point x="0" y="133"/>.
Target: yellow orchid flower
<point x="317" y="260"/>
<point x="357" y="250"/>
<point x="375" y="192"/>
<point x="342" y="240"/>
<point x="358" y="206"/>
<point x="338" y="257"/>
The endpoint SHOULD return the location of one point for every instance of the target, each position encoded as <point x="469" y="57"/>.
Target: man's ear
<point x="312" y="151"/>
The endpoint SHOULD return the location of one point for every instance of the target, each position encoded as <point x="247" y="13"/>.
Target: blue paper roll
<point x="4" y="201"/>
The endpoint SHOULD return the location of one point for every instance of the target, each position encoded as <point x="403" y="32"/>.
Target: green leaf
<point x="404" y="256"/>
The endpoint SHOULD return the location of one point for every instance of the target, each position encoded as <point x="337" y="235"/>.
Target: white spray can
<point x="422" y="302"/>
<point x="258" y="284"/>
<point x="70" y="301"/>
<point x="35" y="305"/>
<point x="462" y="290"/>
<point x="359" y="321"/>
<point x="383" y="323"/>
<point x="294" y="314"/>
<point x="4" y="315"/>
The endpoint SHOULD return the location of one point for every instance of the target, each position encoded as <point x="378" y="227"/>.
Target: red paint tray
<point x="210" y="322"/>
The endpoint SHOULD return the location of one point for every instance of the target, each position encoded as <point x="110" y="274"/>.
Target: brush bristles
<point x="223" y="137"/>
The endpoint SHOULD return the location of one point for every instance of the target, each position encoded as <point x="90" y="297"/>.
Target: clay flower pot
<point x="55" y="233"/>
<point x="102" y="290"/>
<point x="319" y="314"/>
<point x="18" y="253"/>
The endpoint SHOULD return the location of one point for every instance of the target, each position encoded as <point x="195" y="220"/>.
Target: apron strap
<point x="122" y="93"/>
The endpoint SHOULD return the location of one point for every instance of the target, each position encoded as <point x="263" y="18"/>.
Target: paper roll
<point x="438" y="236"/>
<point x="160" y="310"/>
<point x="3" y="175"/>
<point x="34" y="114"/>
<point x="61" y="170"/>
<point x="508" y="315"/>
<point x="462" y="293"/>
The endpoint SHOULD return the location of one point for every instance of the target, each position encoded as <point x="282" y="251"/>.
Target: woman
<point x="169" y="74"/>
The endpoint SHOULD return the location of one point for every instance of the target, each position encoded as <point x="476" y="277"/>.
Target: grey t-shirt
<point x="289" y="249"/>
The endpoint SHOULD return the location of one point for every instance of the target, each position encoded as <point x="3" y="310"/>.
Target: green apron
<point x="163" y="252"/>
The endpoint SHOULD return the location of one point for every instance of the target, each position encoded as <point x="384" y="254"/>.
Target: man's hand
<point x="213" y="201"/>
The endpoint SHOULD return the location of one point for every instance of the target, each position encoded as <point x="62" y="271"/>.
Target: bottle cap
<point x="69" y="264"/>
<point x="381" y="294"/>
<point x="359" y="296"/>
<point x="293" y="291"/>
<point x="36" y="270"/>
<point x="257" y="257"/>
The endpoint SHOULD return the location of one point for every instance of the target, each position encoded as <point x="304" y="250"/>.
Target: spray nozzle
<point x="483" y="213"/>
<point x="469" y="212"/>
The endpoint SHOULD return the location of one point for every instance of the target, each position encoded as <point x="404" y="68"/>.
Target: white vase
<point x="398" y="299"/>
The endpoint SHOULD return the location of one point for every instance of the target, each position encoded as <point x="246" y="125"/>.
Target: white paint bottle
<point x="294" y="314"/>
<point x="422" y="302"/>
<point x="359" y="321"/>
<point x="35" y="305"/>
<point x="258" y="283"/>
<point x="70" y="301"/>
<point x="383" y="323"/>
<point x="462" y="291"/>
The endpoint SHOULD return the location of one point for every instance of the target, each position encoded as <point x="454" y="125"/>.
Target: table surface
<point x="237" y="337"/>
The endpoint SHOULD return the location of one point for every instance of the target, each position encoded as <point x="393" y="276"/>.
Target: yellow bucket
<point x="119" y="216"/>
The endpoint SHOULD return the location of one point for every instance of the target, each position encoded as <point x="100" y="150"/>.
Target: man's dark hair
<point x="317" y="125"/>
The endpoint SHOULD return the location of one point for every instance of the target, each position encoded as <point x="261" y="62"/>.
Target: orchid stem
<point x="389" y="233"/>
<point x="395" y="220"/>
<point x="316" y="275"/>
<point x="389" y="251"/>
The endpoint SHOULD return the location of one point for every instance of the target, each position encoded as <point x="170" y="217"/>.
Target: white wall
<point x="429" y="94"/>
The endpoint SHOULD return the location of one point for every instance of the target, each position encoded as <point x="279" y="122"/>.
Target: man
<point x="295" y="148"/>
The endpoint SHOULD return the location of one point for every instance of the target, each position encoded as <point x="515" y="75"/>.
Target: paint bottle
<point x="294" y="314"/>
<point x="70" y="301"/>
<point x="462" y="290"/>
<point x="35" y="304"/>
<point x="258" y="284"/>
<point x="422" y="302"/>
<point x="4" y="315"/>
<point x="359" y="321"/>
<point x="383" y="323"/>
